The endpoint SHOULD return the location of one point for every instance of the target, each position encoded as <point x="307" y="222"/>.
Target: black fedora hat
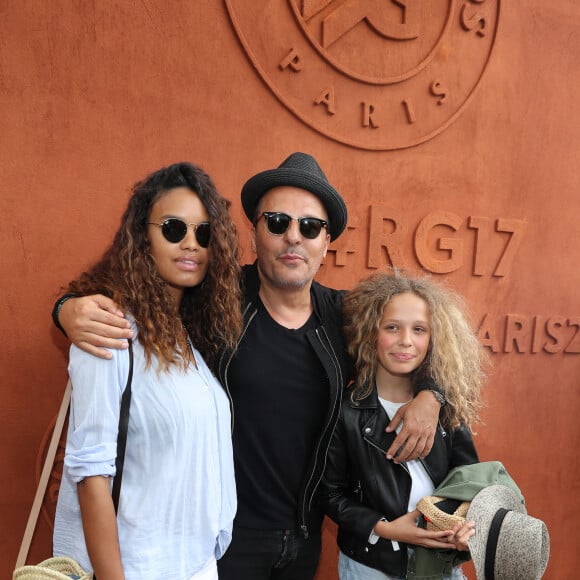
<point x="298" y="170"/>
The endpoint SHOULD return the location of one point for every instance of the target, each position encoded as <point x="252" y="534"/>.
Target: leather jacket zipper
<point x="306" y="500"/>
<point x="231" y="356"/>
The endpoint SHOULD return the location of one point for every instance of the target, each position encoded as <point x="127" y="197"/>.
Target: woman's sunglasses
<point x="174" y="230"/>
<point x="279" y="222"/>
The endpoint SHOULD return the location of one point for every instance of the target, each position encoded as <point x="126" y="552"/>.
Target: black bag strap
<point x="122" y="435"/>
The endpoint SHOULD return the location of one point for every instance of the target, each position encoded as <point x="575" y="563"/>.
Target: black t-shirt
<point x="280" y="395"/>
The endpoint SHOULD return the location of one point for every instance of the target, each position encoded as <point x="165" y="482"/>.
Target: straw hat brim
<point x="438" y="520"/>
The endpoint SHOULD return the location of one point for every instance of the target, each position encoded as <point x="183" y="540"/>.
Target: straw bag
<point x="61" y="568"/>
<point x="55" y="568"/>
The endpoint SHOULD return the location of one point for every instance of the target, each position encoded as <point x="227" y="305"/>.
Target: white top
<point x="421" y="483"/>
<point x="178" y="496"/>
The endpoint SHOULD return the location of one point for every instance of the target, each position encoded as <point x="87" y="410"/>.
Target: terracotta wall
<point x="456" y="145"/>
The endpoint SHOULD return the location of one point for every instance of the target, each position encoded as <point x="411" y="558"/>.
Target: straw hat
<point x="516" y="547"/>
<point x="442" y="514"/>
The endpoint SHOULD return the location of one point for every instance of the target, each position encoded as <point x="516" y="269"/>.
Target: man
<point x="286" y="377"/>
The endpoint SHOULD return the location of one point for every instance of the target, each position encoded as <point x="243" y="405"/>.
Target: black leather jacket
<point x="360" y="486"/>
<point x="327" y="341"/>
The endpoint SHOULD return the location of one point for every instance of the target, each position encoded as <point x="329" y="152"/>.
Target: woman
<point x="400" y="331"/>
<point x="173" y="266"/>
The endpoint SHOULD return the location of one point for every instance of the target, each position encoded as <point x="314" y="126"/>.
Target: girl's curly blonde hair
<point x="456" y="360"/>
<point x="210" y="312"/>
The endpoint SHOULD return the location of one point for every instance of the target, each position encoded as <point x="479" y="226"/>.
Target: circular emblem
<point x="373" y="74"/>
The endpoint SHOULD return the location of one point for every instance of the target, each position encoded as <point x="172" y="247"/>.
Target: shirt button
<point x="367" y="430"/>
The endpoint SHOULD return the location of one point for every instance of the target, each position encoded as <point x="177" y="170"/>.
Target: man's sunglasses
<point x="279" y="222"/>
<point x="174" y="230"/>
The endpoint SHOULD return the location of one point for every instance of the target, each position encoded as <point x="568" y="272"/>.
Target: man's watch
<point x="439" y="396"/>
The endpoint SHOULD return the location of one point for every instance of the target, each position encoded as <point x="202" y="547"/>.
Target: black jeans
<point x="270" y="555"/>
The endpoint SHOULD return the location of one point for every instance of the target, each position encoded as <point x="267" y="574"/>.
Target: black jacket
<point x="361" y="486"/>
<point x="327" y="341"/>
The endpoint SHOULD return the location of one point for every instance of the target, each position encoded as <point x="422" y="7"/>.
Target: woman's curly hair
<point x="127" y="273"/>
<point x="456" y="360"/>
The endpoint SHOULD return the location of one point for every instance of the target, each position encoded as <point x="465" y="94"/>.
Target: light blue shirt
<point x="178" y="496"/>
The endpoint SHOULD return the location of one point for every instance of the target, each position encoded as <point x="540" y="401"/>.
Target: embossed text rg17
<point x="494" y="241"/>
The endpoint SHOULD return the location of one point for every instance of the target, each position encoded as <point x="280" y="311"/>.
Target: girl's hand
<point x="461" y="534"/>
<point x="405" y="529"/>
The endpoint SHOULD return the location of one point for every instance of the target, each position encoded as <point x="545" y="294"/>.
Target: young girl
<point x="400" y="330"/>
<point x="173" y="267"/>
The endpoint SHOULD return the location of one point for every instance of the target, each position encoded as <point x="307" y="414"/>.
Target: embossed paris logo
<point x="374" y="74"/>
